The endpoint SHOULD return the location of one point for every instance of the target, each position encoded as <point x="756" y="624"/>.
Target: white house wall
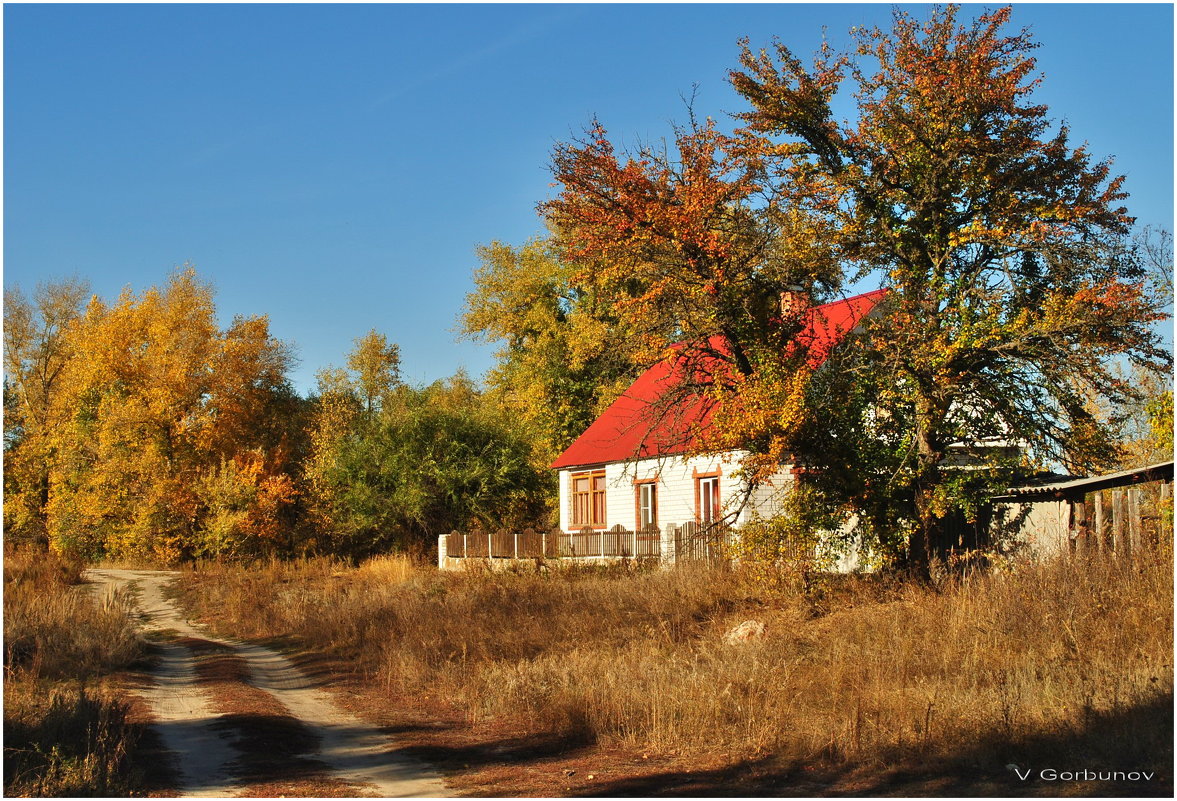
<point x="1046" y="529"/>
<point x="766" y="499"/>
<point x="565" y="498"/>
<point x="676" y="489"/>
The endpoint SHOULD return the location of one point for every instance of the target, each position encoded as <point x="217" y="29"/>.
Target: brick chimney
<point x="794" y="301"/>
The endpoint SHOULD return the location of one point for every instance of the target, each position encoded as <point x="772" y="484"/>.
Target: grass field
<point x="66" y="733"/>
<point x="1066" y="665"/>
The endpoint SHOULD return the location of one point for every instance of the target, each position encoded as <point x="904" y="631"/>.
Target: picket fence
<point x="691" y="542"/>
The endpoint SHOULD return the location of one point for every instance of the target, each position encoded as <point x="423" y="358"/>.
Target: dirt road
<point x="352" y="750"/>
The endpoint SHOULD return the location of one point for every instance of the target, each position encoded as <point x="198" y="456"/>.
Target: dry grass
<point x="64" y="741"/>
<point x="390" y="569"/>
<point x="53" y="629"/>
<point x="60" y="737"/>
<point x="1068" y="661"/>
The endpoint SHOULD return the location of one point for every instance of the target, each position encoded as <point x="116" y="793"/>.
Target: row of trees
<point x="140" y="428"/>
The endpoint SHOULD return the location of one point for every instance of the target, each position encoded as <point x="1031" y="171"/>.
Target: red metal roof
<point x="634" y="427"/>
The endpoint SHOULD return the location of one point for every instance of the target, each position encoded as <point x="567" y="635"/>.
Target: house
<point x="632" y="466"/>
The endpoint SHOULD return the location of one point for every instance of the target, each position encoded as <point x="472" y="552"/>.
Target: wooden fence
<point x="531" y="544"/>
<point x="690" y="541"/>
<point x="700" y="542"/>
<point x="1122" y="521"/>
<point x="618" y="542"/>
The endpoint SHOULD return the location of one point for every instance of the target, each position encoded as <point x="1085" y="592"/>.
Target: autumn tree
<point x="1147" y="426"/>
<point x="154" y="402"/>
<point x="693" y="249"/>
<point x="375" y="367"/>
<point x="1012" y="287"/>
<point x="1155" y="248"/>
<point x="563" y="355"/>
<point x="1145" y="423"/>
<point x="35" y="355"/>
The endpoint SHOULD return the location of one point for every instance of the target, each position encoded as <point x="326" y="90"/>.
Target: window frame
<point x="650" y="486"/>
<point x="713" y="503"/>
<point x="590" y="497"/>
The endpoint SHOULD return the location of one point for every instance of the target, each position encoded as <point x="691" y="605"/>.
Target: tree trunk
<point x="929" y="522"/>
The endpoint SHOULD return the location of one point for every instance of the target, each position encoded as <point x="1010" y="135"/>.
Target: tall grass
<point x="1011" y="658"/>
<point x="1045" y="659"/>
<point x="64" y="742"/>
<point x="62" y="738"/>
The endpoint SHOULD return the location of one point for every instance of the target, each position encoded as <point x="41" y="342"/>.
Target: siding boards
<point x="676" y="490"/>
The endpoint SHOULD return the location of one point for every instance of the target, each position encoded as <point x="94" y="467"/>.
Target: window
<point x="647" y="501"/>
<point x="588" y="499"/>
<point x="707" y="498"/>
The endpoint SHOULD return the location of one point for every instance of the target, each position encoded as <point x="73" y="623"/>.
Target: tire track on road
<point x="355" y="751"/>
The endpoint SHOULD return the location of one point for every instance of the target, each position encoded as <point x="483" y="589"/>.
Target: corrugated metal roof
<point x="1081" y="485"/>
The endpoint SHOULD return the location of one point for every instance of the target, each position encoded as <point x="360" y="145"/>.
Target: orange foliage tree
<point x="1012" y="285"/>
<point x="693" y="249"/>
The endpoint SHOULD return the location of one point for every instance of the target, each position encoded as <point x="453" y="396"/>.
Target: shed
<point x="1060" y="514"/>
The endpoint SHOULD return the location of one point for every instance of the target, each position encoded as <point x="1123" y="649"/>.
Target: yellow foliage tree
<point x="34" y="356"/>
<point x="375" y="362"/>
<point x="153" y="400"/>
<point x="563" y="357"/>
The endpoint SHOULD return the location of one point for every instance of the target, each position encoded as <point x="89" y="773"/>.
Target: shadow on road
<point x="504" y="751"/>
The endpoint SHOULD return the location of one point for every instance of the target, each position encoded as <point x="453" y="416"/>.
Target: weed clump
<point x="67" y="741"/>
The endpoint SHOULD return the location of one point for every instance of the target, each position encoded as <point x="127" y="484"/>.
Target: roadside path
<point x="355" y="751"/>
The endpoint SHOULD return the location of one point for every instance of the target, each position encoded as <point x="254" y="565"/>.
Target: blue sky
<point x="335" y="167"/>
